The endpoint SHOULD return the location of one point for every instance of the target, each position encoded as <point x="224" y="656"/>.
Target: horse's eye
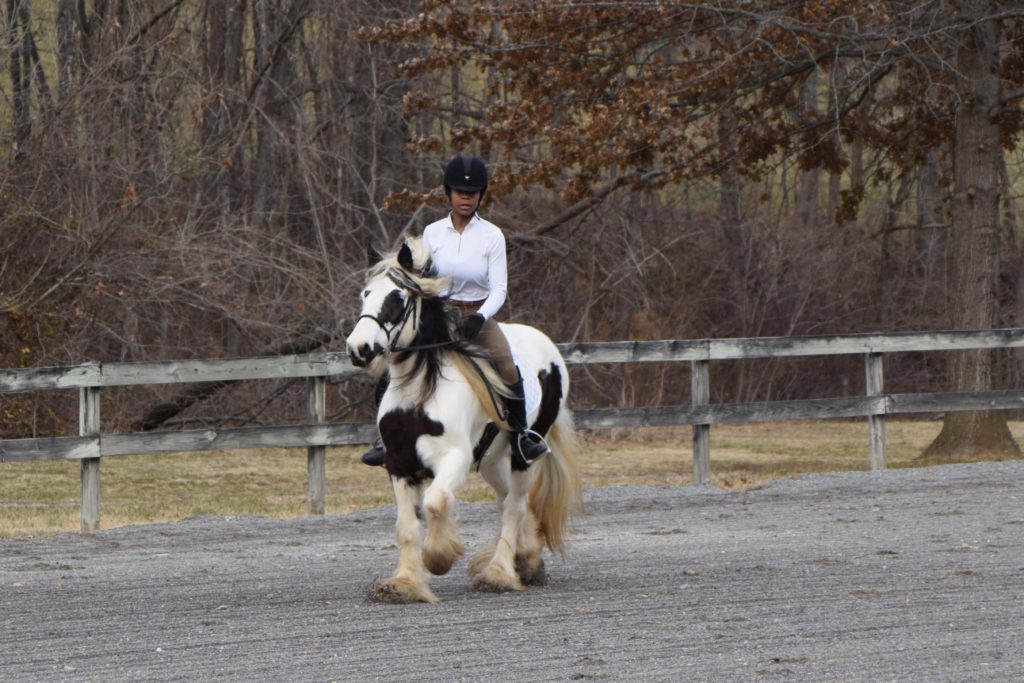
<point x="366" y="293"/>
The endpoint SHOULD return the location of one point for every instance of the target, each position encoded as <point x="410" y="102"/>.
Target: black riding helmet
<point x="465" y="173"/>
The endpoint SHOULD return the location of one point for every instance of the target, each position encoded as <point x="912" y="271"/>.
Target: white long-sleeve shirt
<point x="475" y="259"/>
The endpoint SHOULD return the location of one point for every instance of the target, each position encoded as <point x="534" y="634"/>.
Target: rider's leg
<point x="526" y="444"/>
<point x="375" y="456"/>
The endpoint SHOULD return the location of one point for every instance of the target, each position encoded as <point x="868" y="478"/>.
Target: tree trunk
<point x="730" y="210"/>
<point x="274" y="28"/>
<point x="19" y="81"/>
<point x="65" y="122"/>
<point x="808" y="181"/>
<point x="65" y="52"/>
<point x="838" y="88"/>
<point x="888" y="262"/>
<point x="932" y="231"/>
<point x="221" y="152"/>
<point x="975" y="238"/>
<point x="263" y="195"/>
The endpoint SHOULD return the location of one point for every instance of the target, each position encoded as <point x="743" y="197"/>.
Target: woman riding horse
<point x="471" y="251"/>
<point x="439" y="419"/>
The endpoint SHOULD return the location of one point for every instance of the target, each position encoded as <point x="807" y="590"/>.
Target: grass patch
<point x="39" y="499"/>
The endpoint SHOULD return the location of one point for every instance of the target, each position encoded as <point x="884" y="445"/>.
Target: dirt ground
<point x="910" y="575"/>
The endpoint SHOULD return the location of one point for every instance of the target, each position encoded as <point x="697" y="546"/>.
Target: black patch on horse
<point x="550" y="401"/>
<point x="399" y="430"/>
<point x="392" y="308"/>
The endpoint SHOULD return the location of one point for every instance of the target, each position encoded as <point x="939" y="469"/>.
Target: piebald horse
<point x="434" y="422"/>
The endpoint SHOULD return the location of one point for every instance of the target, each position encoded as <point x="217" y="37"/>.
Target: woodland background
<point x="201" y="178"/>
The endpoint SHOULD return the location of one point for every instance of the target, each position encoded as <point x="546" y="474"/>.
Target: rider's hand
<point x="469" y="328"/>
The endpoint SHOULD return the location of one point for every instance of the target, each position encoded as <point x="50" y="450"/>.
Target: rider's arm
<point x="497" y="276"/>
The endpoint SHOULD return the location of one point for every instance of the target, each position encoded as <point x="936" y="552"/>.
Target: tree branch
<point x="1008" y="97"/>
<point x="196" y="393"/>
<point x="581" y="206"/>
<point x="154" y="21"/>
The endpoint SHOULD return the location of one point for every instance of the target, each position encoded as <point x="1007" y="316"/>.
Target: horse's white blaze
<point x="366" y="332"/>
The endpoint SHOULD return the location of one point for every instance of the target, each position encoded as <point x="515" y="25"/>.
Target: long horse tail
<point x="556" y="491"/>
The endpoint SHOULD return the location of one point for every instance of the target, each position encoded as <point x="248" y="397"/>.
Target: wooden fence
<point x="91" y="445"/>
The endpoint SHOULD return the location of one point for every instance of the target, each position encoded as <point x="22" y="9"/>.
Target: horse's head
<point x="389" y="315"/>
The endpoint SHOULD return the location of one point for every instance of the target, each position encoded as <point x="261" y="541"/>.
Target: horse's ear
<point x="373" y="257"/>
<point x="405" y="257"/>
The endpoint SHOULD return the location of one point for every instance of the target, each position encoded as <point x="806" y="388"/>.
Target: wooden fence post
<point x="316" y="456"/>
<point x="700" y="395"/>
<point x="89" y="425"/>
<point x="876" y="423"/>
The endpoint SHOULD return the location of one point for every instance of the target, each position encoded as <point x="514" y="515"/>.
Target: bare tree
<point x="975" y="210"/>
<point x="610" y="104"/>
<point x="209" y="174"/>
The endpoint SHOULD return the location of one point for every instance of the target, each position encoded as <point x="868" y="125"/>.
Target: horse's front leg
<point x="442" y="547"/>
<point x="409" y="584"/>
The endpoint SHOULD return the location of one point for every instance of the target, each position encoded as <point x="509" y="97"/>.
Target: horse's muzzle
<point x="363" y="354"/>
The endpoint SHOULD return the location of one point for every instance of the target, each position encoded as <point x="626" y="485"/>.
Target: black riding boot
<point x="527" y="445"/>
<point x="375" y="456"/>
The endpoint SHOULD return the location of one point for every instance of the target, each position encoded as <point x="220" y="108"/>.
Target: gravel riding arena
<point x="908" y="575"/>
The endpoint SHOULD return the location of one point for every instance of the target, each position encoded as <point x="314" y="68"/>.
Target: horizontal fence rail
<point x="91" y="445"/>
<point x="336" y="363"/>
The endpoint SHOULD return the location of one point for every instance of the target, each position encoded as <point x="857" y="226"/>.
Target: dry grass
<point x="42" y="498"/>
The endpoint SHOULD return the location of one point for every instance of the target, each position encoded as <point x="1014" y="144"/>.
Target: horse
<point x="439" y="419"/>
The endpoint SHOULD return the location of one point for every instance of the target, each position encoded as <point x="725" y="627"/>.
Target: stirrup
<point x="531" y="445"/>
<point x="375" y="456"/>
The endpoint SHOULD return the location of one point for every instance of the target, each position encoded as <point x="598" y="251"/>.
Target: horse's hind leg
<point x="498" y="478"/>
<point x="529" y="563"/>
<point x="499" y="572"/>
<point x="409" y="583"/>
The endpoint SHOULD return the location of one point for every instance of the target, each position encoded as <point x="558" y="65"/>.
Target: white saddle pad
<point x="531" y="385"/>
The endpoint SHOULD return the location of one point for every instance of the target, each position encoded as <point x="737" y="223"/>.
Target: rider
<point x="472" y="251"/>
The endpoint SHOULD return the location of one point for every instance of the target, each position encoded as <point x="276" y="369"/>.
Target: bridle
<point x="388" y="329"/>
<point x="415" y="295"/>
<point x="412" y="305"/>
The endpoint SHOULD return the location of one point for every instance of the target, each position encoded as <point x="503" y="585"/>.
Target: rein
<point x="490" y="392"/>
<point x="404" y="281"/>
<point x="427" y="347"/>
<point x="412" y="306"/>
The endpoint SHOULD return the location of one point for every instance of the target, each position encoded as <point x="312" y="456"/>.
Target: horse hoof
<point x="436" y="565"/>
<point x="479" y="564"/>
<point x="492" y="581"/>
<point x="531" y="571"/>
<point x="400" y="592"/>
<point x="440" y="561"/>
